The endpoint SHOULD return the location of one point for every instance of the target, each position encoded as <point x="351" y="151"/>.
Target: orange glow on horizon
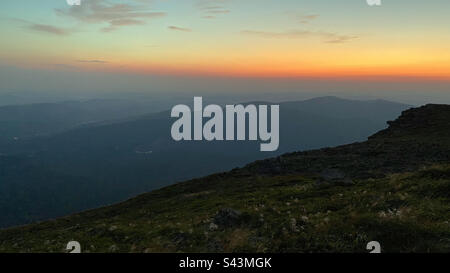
<point x="369" y="73"/>
<point x="252" y="70"/>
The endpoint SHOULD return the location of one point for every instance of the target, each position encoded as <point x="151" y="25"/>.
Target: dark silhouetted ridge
<point x="429" y="121"/>
<point x="419" y="137"/>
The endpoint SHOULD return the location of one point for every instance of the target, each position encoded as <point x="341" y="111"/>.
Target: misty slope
<point x="126" y="158"/>
<point x="393" y="188"/>
<point x="346" y="108"/>
<point x="22" y="98"/>
<point x="57" y="193"/>
<point x="31" y="120"/>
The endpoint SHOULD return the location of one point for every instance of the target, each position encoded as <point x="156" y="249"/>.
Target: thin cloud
<point x="179" y="29"/>
<point x="302" y="18"/>
<point x="92" y="61"/>
<point x="212" y="8"/>
<point x="339" y="39"/>
<point x="215" y="10"/>
<point x="305" y="19"/>
<point x="43" y="28"/>
<point x="49" y="29"/>
<point x="113" y="14"/>
<point x="327" y="37"/>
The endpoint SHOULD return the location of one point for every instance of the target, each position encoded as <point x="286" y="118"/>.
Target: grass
<point x="405" y="212"/>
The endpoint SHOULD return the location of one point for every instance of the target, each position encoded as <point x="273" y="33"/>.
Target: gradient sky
<point x="159" y="45"/>
<point x="230" y="37"/>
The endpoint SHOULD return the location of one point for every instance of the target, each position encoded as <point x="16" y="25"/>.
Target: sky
<point x="402" y="41"/>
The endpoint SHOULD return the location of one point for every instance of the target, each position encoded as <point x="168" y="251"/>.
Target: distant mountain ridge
<point x="345" y="108"/>
<point x="40" y="119"/>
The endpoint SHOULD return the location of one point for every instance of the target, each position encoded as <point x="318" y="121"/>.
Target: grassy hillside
<point x="394" y="188"/>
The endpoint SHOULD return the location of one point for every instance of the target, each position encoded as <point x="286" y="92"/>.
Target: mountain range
<point x="59" y="164"/>
<point x="393" y="188"/>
